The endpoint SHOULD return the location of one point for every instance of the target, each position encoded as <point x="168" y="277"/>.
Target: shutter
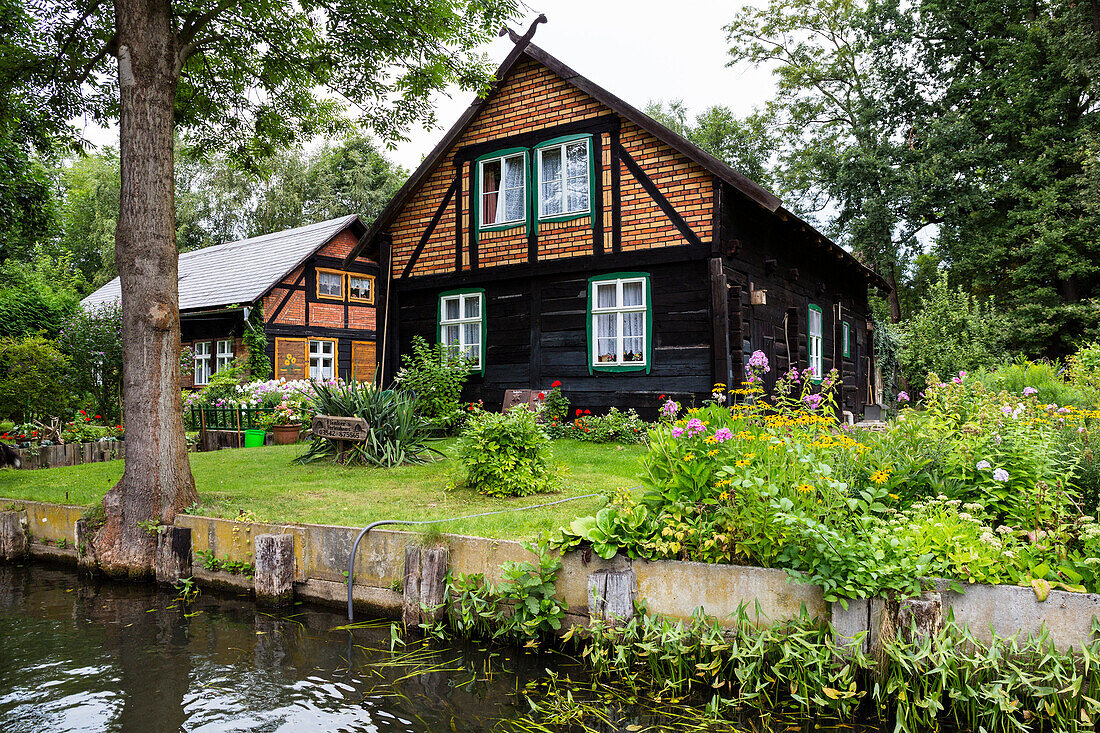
<point x="291" y="358"/>
<point x="363" y="361"/>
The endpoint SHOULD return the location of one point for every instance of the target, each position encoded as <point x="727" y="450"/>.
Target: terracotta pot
<point x="286" y="434"/>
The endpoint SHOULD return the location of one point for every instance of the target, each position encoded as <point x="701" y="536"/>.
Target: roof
<point x="241" y="271"/>
<point x="738" y="181"/>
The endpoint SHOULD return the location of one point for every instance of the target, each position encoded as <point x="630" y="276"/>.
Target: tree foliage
<point x="32" y="378"/>
<point x="91" y="339"/>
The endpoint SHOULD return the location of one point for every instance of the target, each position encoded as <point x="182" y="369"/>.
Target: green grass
<point x="263" y="481"/>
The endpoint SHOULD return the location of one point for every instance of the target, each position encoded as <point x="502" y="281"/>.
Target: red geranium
<point x="579" y="412"/>
<point x="555" y="383"/>
<point x="542" y="395"/>
<point x="587" y="412"/>
<point x="98" y="417"/>
<point x="661" y="397"/>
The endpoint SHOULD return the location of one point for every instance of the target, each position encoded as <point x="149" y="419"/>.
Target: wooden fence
<point x="227" y="418"/>
<point x="72" y="454"/>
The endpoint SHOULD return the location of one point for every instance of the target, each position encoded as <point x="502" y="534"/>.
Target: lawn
<point x="263" y="481"/>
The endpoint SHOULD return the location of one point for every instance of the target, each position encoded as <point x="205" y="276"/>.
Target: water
<point x="76" y="655"/>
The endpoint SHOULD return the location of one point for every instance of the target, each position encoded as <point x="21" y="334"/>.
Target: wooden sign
<point x="517" y="397"/>
<point x="340" y="428"/>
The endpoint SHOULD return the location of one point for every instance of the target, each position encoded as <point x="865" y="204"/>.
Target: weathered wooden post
<point x="274" y="558"/>
<point x="173" y="558"/>
<point x="433" y="584"/>
<point x="611" y="595"/>
<point x="13" y="535"/>
<point x="410" y="589"/>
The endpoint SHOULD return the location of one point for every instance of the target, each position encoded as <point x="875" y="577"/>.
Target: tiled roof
<point x="242" y="271"/>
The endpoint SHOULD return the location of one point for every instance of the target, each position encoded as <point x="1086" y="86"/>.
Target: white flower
<point x="1000" y="475"/>
<point x="984" y="466"/>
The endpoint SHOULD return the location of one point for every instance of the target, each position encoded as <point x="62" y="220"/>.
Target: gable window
<point x="224" y="354"/>
<point x="361" y="288"/>
<point x="846" y="339"/>
<point x="503" y="187"/>
<point x="330" y="284"/>
<point x="462" y="324"/>
<point x="202" y="362"/>
<point x="322" y="359"/>
<point x="621" y="321"/>
<point x="814" y="346"/>
<point x="564" y="178"/>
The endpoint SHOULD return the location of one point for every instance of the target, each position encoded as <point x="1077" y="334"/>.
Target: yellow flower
<point x="689" y="456"/>
<point x="880" y="477"/>
<point x="712" y="453"/>
<point x="805" y="488"/>
<point x="742" y="463"/>
<point x="893" y="496"/>
<point x="723" y="496"/>
<point x="750" y="455"/>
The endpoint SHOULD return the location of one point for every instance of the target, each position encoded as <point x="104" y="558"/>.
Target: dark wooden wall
<point x="536" y="334"/>
<point x="796" y="269"/>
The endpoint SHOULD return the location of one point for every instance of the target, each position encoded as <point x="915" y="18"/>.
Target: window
<point x="563" y="179"/>
<point x="202" y="362"/>
<point x="846" y="339"/>
<point x="461" y="321"/>
<point x="225" y="354"/>
<point x="360" y="287"/>
<point x="503" y="190"/>
<point x="620" y="320"/>
<point x="330" y="284"/>
<point x="814" y="323"/>
<point x="322" y="359"/>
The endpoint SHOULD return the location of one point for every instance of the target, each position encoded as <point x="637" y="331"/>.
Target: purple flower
<point x="813" y="401"/>
<point x="903" y="396"/>
<point x="1028" y="391"/>
<point x="1000" y="475"/>
<point x="695" y="427"/>
<point x="983" y="466"/>
<point x="1007" y="410"/>
<point x="759" y="360"/>
<point x="677" y="431"/>
<point x="722" y="435"/>
<point x="669" y="409"/>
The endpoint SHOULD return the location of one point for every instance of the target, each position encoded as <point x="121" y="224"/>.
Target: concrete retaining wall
<point x="671" y="589"/>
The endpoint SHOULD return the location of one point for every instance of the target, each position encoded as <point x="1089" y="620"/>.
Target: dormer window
<point x="564" y="179"/>
<point x="503" y="186"/>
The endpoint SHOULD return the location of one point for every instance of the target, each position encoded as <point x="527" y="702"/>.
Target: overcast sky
<point x="635" y="49"/>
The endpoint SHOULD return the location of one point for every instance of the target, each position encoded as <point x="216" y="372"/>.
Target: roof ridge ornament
<point x="526" y="37"/>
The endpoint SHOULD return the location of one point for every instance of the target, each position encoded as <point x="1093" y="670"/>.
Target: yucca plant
<point x="396" y="433"/>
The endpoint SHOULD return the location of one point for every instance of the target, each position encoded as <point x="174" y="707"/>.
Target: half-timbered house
<point x="318" y="304"/>
<point x="558" y="233"/>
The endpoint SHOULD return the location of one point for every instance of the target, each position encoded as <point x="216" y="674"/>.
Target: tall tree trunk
<point x="892" y="299"/>
<point x="157" y="481"/>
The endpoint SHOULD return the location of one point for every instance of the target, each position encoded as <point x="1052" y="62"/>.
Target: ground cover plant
<point x="266" y="482"/>
<point x="617" y="426"/>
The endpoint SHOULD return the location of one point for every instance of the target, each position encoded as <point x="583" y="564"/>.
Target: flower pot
<point x="286" y="434"/>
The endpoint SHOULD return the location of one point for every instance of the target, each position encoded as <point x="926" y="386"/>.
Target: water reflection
<point x="82" y="656"/>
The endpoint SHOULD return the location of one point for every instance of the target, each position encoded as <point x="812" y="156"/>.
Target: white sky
<point x="638" y="50"/>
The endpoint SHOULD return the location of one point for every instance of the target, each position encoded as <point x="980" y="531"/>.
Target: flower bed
<point x="976" y="486"/>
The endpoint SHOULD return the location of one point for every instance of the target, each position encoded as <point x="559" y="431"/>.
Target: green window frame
<point x="462" y="296"/>
<point x="846" y="339"/>
<point x="815" y="329"/>
<point x="479" y="226"/>
<point x="594" y="311"/>
<point x="537" y="183"/>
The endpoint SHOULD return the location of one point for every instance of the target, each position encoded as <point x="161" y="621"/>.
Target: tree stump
<point x="274" y="558"/>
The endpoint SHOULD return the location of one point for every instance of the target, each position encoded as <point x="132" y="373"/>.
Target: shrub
<point x="951" y="332"/>
<point x="32" y="379"/>
<point x="92" y="339"/>
<point x="1083" y="367"/>
<point x="436" y="377"/>
<point x="556" y="404"/>
<point x="396" y="433"/>
<point x="506" y="454"/>
<point x="1044" y="376"/>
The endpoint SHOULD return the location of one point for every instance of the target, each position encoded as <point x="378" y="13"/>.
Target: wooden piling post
<point x="611" y="595"/>
<point x="433" y="584"/>
<point x="410" y="589"/>
<point x="13" y="536"/>
<point x="274" y="558"/>
<point x="173" y="558"/>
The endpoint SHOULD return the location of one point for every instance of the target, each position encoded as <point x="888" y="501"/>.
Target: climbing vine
<point x="255" y="341"/>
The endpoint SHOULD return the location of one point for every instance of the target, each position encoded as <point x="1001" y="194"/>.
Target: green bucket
<point x="254" y="438"/>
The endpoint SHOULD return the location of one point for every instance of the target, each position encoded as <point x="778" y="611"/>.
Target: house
<point x="558" y="233"/>
<point x="318" y="304"/>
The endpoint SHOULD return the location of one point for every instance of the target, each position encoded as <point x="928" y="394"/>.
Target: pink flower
<point x="722" y="435"/>
<point x="903" y="396"/>
<point x="1028" y="391"/>
<point x="677" y="431"/>
<point x="695" y="427"/>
